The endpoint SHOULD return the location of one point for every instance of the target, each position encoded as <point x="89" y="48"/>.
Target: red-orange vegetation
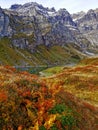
<point x="10" y="68"/>
<point x="20" y="127"/>
<point x="26" y="93"/>
<point x="3" y="96"/>
<point x="90" y="106"/>
<point x="25" y="99"/>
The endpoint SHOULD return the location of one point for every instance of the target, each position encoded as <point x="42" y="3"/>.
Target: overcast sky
<point x="71" y="5"/>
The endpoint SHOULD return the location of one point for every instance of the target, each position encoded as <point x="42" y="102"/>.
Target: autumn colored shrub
<point x="14" y="111"/>
<point x="29" y="102"/>
<point x="64" y="118"/>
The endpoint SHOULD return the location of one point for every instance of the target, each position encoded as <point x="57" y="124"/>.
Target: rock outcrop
<point x="88" y="25"/>
<point x="31" y="25"/>
<point x="5" y="29"/>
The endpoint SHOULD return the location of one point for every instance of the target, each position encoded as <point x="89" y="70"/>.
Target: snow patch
<point x="71" y="27"/>
<point x="77" y="18"/>
<point x="89" y="53"/>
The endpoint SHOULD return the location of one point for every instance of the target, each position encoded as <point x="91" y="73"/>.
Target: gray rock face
<point x="88" y="25"/>
<point x="31" y="24"/>
<point x="4" y="24"/>
<point x="88" y="21"/>
<point x="46" y="26"/>
<point x="15" y="6"/>
<point x="21" y="43"/>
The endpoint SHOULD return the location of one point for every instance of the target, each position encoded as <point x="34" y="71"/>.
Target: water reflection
<point x="31" y="69"/>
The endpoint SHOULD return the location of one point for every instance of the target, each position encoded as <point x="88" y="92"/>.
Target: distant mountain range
<point x="87" y="23"/>
<point x="31" y="34"/>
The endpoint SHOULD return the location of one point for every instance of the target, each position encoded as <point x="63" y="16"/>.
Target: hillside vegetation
<point x="42" y="56"/>
<point x="67" y="100"/>
<point x="80" y="85"/>
<point x="80" y="80"/>
<point x="27" y="103"/>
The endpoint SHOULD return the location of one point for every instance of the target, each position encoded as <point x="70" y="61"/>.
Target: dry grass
<point x="82" y="81"/>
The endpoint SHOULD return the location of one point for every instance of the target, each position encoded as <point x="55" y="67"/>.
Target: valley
<point x="48" y="68"/>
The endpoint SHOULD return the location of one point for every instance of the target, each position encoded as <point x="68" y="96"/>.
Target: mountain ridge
<point x="31" y="25"/>
<point x="87" y="24"/>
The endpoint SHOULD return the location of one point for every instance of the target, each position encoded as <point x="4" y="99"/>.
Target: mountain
<point x="37" y="34"/>
<point x="61" y="97"/>
<point x="87" y="23"/>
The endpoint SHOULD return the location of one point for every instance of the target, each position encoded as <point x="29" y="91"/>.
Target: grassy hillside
<point x="51" y="56"/>
<point x="80" y="92"/>
<point x="80" y="78"/>
<point x="90" y="61"/>
<point x="67" y="100"/>
<point x="26" y="103"/>
<point x="10" y="55"/>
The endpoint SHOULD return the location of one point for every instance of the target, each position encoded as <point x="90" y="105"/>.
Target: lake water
<point x="37" y="69"/>
<point x="30" y="69"/>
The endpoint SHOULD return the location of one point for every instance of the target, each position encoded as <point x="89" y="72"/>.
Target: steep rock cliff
<point x="88" y="25"/>
<point x="31" y="25"/>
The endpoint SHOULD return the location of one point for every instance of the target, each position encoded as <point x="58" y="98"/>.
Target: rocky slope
<point x="31" y="25"/>
<point x="88" y="25"/>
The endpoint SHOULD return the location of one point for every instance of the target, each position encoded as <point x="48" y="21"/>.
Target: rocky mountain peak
<point x="31" y="25"/>
<point x="36" y="10"/>
<point x="88" y="25"/>
<point x="1" y="10"/>
<point x="91" y="15"/>
<point x="63" y="12"/>
<point x="91" y="11"/>
<point x="78" y="15"/>
<point x="15" y="6"/>
<point x="96" y="10"/>
<point x="29" y="5"/>
<point x="32" y="9"/>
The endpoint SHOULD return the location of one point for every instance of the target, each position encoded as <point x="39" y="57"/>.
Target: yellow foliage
<point x="50" y="120"/>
